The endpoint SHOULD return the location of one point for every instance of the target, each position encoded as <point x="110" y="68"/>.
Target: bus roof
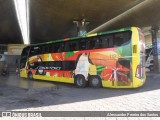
<point x="85" y="36"/>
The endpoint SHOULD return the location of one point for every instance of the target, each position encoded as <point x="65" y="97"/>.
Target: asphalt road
<point x="50" y="96"/>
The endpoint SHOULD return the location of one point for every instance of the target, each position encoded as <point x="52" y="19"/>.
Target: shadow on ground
<point x="17" y="93"/>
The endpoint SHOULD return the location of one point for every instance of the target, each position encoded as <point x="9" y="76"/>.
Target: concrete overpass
<point x="52" y="19"/>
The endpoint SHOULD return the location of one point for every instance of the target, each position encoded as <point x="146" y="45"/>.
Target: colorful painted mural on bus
<point x="109" y="59"/>
<point x="111" y="64"/>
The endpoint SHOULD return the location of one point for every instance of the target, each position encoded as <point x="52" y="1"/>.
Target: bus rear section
<point x="138" y="59"/>
<point x="126" y="66"/>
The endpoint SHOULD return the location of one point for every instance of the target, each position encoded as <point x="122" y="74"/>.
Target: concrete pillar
<point x="81" y="27"/>
<point x="156" y="48"/>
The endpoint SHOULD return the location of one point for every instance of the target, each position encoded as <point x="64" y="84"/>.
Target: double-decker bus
<point x="113" y="59"/>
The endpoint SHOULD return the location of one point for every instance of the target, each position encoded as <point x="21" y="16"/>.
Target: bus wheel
<point x="80" y="81"/>
<point x="30" y="76"/>
<point x="95" y="81"/>
<point x="151" y="68"/>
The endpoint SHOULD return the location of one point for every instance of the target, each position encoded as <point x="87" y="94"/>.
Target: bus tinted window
<point x="114" y="40"/>
<point x="110" y="41"/>
<point x="69" y="65"/>
<point x="82" y="44"/>
<point x="35" y="50"/>
<point x="107" y="41"/>
<point x="71" y="46"/>
<point x="101" y="42"/>
<point x="25" y="51"/>
<point x="58" y="47"/>
<point x="98" y="43"/>
<point x="56" y="65"/>
<point x="122" y="38"/>
<point x="46" y="49"/>
<point x="91" y="43"/>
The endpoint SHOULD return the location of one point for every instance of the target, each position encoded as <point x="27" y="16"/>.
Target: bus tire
<point x="95" y="81"/>
<point x="80" y="81"/>
<point x="30" y="76"/>
<point x="151" y="68"/>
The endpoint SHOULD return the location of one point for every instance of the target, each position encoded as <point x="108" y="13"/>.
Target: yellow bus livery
<point x="114" y="59"/>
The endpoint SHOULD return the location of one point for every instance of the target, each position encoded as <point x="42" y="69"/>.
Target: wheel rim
<point x="95" y="81"/>
<point x="40" y="71"/>
<point x="80" y="82"/>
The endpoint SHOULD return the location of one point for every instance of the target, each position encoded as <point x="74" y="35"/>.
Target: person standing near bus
<point x="17" y="72"/>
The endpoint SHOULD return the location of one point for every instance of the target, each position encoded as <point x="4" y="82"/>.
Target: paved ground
<point x="33" y="96"/>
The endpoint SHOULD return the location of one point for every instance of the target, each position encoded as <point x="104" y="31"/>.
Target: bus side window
<point x="56" y="65"/>
<point x="91" y="43"/>
<point x="110" y="41"/>
<point x="31" y="53"/>
<point x="61" y="48"/>
<point x="69" y="65"/>
<point x="71" y="46"/>
<point x="46" y="64"/>
<point x="121" y="39"/>
<point x="126" y="38"/>
<point x="98" y="43"/>
<point x="105" y="42"/>
<point x="58" y="47"/>
<point x="53" y="48"/>
<point x="118" y="42"/>
<point x="25" y="51"/>
<point x="35" y="50"/>
<point x="46" y="49"/>
<point x="43" y="50"/>
<point x="82" y="44"/>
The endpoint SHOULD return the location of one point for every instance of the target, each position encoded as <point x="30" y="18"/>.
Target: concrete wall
<point x="11" y="62"/>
